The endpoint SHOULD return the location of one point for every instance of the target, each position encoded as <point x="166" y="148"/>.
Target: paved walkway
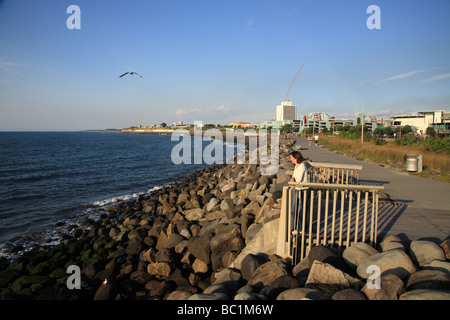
<point x="424" y="210"/>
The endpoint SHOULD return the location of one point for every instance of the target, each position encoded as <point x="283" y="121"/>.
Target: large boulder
<point x="428" y="279"/>
<point x="281" y="284"/>
<point x="392" y="242"/>
<point x="227" y="238"/>
<point x="389" y="262"/>
<point x="266" y="273"/>
<point x="209" y="296"/>
<point x="423" y="252"/>
<point x="389" y="287"/>
<point x="194" y="214"/>
<point x="424" y="294"/>
<point x="199" y="247"/>
<point x="250" y="263"/>
<point x="357" y="253"/>
<point x="159" y="269"/>
<point x="326" y="275"/>
<point x="326" y="255"/>
<point x="438" y="265"/>
<point x="349" y="294"/>
<point x="302" y="294"/>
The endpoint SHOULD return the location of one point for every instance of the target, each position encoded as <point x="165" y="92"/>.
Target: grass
<point x="435" y="165"/>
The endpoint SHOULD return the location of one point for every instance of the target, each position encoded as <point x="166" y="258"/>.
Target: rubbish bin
<point x="412" y="164"/>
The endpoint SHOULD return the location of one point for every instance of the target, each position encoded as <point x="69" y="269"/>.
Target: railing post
<point x="302" y="223"/>
<point x="282" y="226"/>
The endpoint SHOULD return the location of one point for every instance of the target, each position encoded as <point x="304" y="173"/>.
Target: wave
<point x="127" y="197"/>
<point x="50" y="234"/>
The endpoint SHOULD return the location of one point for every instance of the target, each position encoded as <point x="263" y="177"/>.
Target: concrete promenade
<point x="423" y="205"/>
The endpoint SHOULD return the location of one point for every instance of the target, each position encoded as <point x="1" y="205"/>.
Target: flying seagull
<point x="131" y="73"/>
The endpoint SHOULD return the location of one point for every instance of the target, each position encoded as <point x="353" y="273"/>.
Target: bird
<point x="131" y="73"/>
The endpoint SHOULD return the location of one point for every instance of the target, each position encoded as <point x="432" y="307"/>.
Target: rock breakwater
<point x="184" y="241"/>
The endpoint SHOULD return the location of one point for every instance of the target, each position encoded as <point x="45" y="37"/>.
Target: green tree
<point x="406" y="129"/>
<point x="431" y="132"/>
<point x="378" y="131"/>
<point x="388" y="131"/>
<point x="286" y="128"/>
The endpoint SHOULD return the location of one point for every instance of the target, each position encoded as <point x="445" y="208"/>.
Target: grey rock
<point x="423" y="252"/>
<point x="250" y="263"/>
<point x="349" y="294"/>
<point x="438" y="265"/>
<point x="423" y="294"/>
<point x="209" y="296"/>
<point x="393" y="261"/>
<point x="302" y="294"/>
<point x="266" y="273"/>
<point x="357" y="253"/>
<point x="428" y="279"/>
<point x="250" y="296"/>
<point x="390" y="287"/>
<point x="324" y="274"/>
<point x="281" y="284"/>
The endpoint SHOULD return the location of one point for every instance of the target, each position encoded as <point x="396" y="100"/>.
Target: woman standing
<point x="301" y="167"/>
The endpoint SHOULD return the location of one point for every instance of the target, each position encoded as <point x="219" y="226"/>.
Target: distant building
<point x="438" y="119"/>
<point x="322" y="121"/>
<point x="240" y="124"/>
<point x="370" y="122"/>
<point x="285" y="111"/>
<point x="285" y="114"/>
<point x="318" y="120"/>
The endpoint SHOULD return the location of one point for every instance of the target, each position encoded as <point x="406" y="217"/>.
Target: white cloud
<point x="196" y="111"/>
<point x="181" y="112"/>
<point x="223" y="108"/>
<point x="10" y="66"/>
<point x="385" y="113"/>
<point x="438" y="77"/>
<point x="404" y="75"/>
<point x="250" y="23"/>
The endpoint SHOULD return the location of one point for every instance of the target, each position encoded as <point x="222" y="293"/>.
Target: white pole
<point x="362" y="126"/>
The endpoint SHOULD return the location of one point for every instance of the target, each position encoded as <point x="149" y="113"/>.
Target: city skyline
<point x="216" y="61"/>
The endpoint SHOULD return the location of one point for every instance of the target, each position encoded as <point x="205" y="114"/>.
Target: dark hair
<point x="298" y="156"/>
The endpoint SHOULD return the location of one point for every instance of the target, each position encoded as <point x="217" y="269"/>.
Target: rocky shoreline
<point x="181" y="243"/>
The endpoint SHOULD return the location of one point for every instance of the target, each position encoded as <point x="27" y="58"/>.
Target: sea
<point x="50" y="181"/>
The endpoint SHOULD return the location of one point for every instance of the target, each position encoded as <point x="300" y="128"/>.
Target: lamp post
<point x="362" y="126"/>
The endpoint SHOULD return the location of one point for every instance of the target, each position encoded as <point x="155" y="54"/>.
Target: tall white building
<point x="286" y="111"/>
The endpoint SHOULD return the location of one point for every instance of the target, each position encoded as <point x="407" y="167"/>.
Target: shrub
<point x="406" y="140"/>
<point x="438" y="145"/>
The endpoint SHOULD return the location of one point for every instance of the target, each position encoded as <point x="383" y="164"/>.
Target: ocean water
<point x="49" y="180"/>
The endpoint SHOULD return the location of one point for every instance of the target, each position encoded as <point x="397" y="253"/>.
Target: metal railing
<point x="332" y="215"/>
<point x="322" y="172"/>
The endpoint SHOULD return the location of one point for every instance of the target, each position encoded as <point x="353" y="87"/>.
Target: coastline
<point x="161" y="210"/>
<point x="181" y="243"/>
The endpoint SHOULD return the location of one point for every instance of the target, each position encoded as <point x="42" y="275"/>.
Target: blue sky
<point x="217" y="61"/>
